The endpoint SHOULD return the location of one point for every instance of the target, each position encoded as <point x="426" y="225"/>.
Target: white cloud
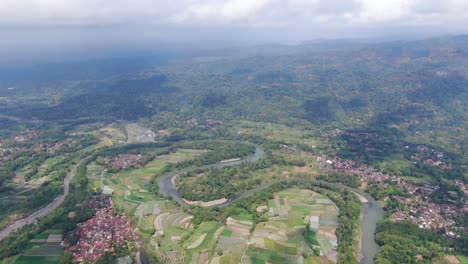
<point x="219" y="11"/>
<point x="293" y="13"/>
<point x="239" y="9"/>
<point x="383" y="10"/>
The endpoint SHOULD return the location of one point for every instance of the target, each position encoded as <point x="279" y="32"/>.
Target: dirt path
<point x="197" y="242"/>
<point x="158" y="222"/>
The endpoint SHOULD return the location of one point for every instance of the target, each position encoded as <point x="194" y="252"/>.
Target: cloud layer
<point x="232" y="12"/>
<point x="57" y="30"/>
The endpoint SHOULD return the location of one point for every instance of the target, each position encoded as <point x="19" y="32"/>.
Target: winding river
<point x="166" y="181"/>
<point x="372" y="212"/>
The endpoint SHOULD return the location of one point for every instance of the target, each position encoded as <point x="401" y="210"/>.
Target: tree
<point x="67" y="258"/>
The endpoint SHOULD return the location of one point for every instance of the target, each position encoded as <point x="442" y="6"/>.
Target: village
<point x="419" y="209"/>
<point x="125" y="161"/>
<point x="107" y="232"/>
<point x="11" y="147"/>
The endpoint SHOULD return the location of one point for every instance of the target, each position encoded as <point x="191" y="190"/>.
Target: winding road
<point x="32" y="218"/>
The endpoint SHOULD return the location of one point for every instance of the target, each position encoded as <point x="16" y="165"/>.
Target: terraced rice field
<point x="161" y="223"/>
<point x="37" y="260"/>
<point x="233" y="240"/>
<point x="282" y="238"/>
<point x="39" y="250"/>
<point x="129" y="186"/>
<point x="137" y="179"/>
<point x="205" y="235"/>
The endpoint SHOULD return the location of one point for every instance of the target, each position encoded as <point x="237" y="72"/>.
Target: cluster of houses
<point x="8" y="153"/>
<point x="428" y="156"/>
<point x="105" y="232"/>
<point x="190" y="123"/>
<point x="8" y="149"/>
<point x="364" y="172"/>
<point x="210" y="123"/>
<point x="22" y="137"/>
<point x="53" y="148"/>
<point x="426" y="214"/>
<point x="213" y="124"/>
<point x="25" y="136"/>
<point x="462" y="185"/>
<point x="125" y="161"/>
<point x="419" y="208"/>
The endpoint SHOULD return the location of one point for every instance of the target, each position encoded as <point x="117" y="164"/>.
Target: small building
<point x="314" y="222"/>
<point x="106" y="190"/>
<point x="54" y="238"/>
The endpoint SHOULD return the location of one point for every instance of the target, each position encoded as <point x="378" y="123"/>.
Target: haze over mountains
<point x="234" y="131"/>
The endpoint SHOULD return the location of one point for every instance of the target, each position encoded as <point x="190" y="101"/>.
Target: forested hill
<point x="414" y="87"/>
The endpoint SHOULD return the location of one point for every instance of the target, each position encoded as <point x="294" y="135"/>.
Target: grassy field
<point x="260" y="255"/>
<point x="207" y="231"/>
<point x="49" y="163"/>
<point x="463" y="259"/>
<point x="43" y="249"/>
<point x="277" y="132"/>
<point x="226" y="233"/>
<point x="41" y="252"/>
<point x="37" y="260"/>
<point x="94" y="170"/>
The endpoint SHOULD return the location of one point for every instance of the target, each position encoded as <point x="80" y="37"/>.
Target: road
<point x="32" y="218"/>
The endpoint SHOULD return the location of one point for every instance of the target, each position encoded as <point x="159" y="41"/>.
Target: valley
<point x="312" y="156"/>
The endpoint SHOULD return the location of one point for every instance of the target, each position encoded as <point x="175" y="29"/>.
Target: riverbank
<point x="371" y="215"/>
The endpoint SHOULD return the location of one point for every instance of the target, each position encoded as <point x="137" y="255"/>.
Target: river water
<point x="167" y="187"/>
<point x="372" y="211"/>
<point x="372" y="214"/>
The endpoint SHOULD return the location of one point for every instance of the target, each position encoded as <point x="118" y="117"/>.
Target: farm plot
<point x="37" y="260"/>
<point x="171" y="228"/>
<point x="204" y="236"/>
<point x="233" y="240"/>
<point x="43" y="248"/>
<point x="129" y="186"/>
<point x="301" y="223"/>
<point x="137" y="179"/>
<point x="107" y="134"/>
<point x="194" y="245"/>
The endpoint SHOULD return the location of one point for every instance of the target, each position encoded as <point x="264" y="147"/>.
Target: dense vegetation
<point x="406" y="243"/>
<point x="217" y="151"/>
<point x="399" y="107"/>
<point x="214" y="183"/>
<point x="348" y="180"/>
<point x="16" y="242"/>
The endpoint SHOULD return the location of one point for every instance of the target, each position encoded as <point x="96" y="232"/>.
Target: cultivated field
<point x="129" y="186"/>
<point x="233" y="240"/>
<point x="286" y="237"/>
<point x="162" y="224"/>
<point x="44" y="248"/>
